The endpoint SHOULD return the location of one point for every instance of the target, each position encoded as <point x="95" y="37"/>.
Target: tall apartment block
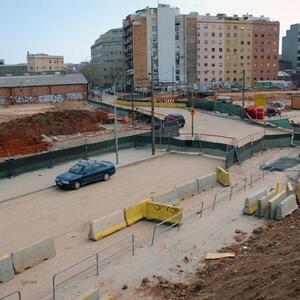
<point x="44" y="62"/>
<point x="227" y="46"/>
<point x="106" y="54"/>
<point x="291" y="46"/>
<point x="150" y="33"/>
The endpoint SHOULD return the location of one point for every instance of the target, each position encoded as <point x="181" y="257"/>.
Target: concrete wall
<point x="43" y="94"/>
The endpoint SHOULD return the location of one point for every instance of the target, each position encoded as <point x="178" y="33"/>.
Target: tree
<point x="92" y="75"/>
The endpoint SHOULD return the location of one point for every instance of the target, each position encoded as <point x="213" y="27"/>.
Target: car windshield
<point x="77" y="169"/>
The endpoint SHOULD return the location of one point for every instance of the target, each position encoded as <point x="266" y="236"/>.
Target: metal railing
<point x="14" y="293"/>
<point x="230" y="189"/>
<point x="178" y="223"/>
<point x="96" y="264"/>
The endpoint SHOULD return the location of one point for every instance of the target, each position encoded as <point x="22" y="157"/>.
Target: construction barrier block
<point x="107" y="225"/>
<point x="136" y="212"/>
<point x="206" y="182"/>
<point x="6" y="269"/>
<point x="222" y="176"/>
<point x="162" y="212"/>
<point x="108" y="297"/>
<point x="187" y="190"/>
<point x="92" y="294"/>
<point x="297" y="192"/>
<point x="251" y="202"/>
<point x="286" y="207"/>
<point x="262" y="204"/>
<point x="271" y="210"/>
<point x="167" y="197"/>
<point x="33" y="254"/>
<point x="289" y="188"/>
<point x="277" y="188"/>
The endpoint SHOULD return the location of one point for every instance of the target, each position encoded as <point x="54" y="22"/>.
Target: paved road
<point x="210" y="124"/>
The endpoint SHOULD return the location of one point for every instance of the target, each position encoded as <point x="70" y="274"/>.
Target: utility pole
<point x="243" y="88"/>
<point x="173" y="83"/>
<point x="116" y="126"/>
<point x="132" y="112"/>
<point x="152" y="107"/>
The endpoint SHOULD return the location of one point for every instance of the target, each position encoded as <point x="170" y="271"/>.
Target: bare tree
<point x="93" y="75"/>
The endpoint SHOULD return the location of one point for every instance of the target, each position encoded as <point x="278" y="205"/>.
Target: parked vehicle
<point x="275" y="108"/>
<point x="173" y="117"/>
<point x="85" y="172"/>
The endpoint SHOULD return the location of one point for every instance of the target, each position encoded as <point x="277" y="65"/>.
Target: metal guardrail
<point x="178" y="223"/>
<point x="14" y="293"/>
<point x="96" y="264"/>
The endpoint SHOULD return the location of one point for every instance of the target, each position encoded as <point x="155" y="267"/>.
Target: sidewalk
<point x="42" y="179"/>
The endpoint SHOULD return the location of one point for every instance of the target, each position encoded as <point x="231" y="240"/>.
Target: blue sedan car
<point x="85" y="172"/>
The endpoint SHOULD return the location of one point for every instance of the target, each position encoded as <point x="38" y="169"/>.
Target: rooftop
<point x="42" y="80"/>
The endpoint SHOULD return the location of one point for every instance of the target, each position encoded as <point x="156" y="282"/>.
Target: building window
<point x="220" y="49"/>
<point x="228" y="34"/>
<point x="213" y="34"/>
<point x="235" y="27"/>
<point x="220" y="34"/>
<point x="213" y="49"/>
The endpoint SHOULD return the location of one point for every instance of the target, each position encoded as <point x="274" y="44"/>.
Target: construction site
<point x="212" y="214"/>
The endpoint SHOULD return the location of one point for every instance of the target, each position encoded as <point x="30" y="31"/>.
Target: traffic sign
<point x="192" y="111"/>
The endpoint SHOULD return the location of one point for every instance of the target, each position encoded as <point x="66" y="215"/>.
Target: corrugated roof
<point x="41" y="80"/>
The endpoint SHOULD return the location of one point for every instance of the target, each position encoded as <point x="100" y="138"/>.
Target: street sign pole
<point x="192" y="125"/>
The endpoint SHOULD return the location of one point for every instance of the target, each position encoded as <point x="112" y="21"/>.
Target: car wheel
<point x="106" y="177"/>
<point x="77" y="185"/>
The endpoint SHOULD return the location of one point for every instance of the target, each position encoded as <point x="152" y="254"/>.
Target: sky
<point x="70" y="27"/>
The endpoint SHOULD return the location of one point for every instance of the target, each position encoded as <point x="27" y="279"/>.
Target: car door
<point x="100" y="169"/>
<point x="88" y="175"/>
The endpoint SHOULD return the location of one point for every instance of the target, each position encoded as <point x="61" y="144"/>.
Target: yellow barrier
<point x="148" y="104"/>
<point x="222" y="176"/>
<point x="162" y="212"/>
<point x="289" y="188"/>
<point x="277" y="188"/>
<point x="109" y="297"/>
<point x="136" y="212"/>
<point x="297" y="192"/>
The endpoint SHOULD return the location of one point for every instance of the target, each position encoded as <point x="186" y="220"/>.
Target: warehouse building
<point x="43" y="89"/>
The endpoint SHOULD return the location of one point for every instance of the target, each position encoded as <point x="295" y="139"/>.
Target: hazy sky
<point x="69" y="27"/>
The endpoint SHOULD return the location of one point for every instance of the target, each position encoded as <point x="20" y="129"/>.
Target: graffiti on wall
<point x="74" y="96"/>
<point x="2" y="100"/>
<point x="22" y="99"/>
<point x="51" y="98"/>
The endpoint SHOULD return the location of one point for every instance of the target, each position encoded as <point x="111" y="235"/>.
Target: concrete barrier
<point x="251" y="202"/>
<point x="222" y="176"/>
<point x="6" y="269"/>
<point x="108" y="297"/>
<point x="286" y="207"/>
<point x="167" y="197"/>
<point x="206" y="182"/>
<point x="262" y="204"/>
<point x="297" y="191"/>
<point x="187" y="190"/>
<point x="107" y="225"/>
<point x="136" y="212"/>
<point x="289" y="188"/>
<point x="92" y="294"/>
<point x="162" y="212"/>
<point x="33" y="254"/>
<point x="271" y="209"/>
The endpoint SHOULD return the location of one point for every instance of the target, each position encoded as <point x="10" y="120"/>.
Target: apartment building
<point x="229" y="46"/>
<point x="150" y="34"/>
<point x="106" y="54"/>
<point x="291" y="46"/>
<point x="44" y="62"/>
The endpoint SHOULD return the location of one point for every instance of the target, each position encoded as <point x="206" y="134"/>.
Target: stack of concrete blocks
<point x="274" y="205"/>
<point x="187" y="190"/>
<point x="26" y="258"/>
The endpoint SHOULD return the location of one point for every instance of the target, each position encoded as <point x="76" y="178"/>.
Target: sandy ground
<point x="66" y="214"/>
<point x="12" y="112"/>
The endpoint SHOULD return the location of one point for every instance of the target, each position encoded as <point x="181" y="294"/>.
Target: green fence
<point x="226" y="108"/>
<point x="246" y="151"/>
<point x="49" y="159"/>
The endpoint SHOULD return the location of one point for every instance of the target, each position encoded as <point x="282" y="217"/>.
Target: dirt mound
<point x="266" y="266"/>
<point x="24" y="135"/>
